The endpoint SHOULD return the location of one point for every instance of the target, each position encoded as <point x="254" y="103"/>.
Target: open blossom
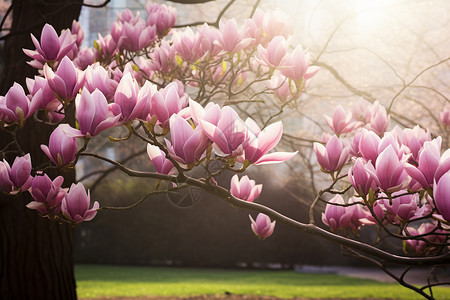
<point x="51" y="48"/>
<point x="296" y="65"/>
<point x="272" y="55"/>
<point x="389" y="173"/>
<point x="262" y="227"/>
<point x="136" y="36"/>
<point x="159" y="160"/>
<point x="337" y="216"/>
<point x="16" y="178"/>
<point x="341" y="122"/>
<point x="62" y="147"/>
<point x="245" y="189"/>
<point x="333" y="156"/>
<point x="16" y="106"/>
<point x="413" y="138"/>
<point x="261" y="142"/>
<point x="360" y="178"/>
<point x="130" y="101"/>
<point x="428" y="159"/>
<point x="400" y="208"/>
<point x="187" y="145"/>
<point x="47" y="194"/>
<point x="107" y="47"/>
<point x="229" y="136"/>
<point x="161" y="16"/>
<point x="441" y="195"/>
<point x="96" y="77"/>
<point x="75" y="205"/>
<point x="232" y="38"/>
<point x="66" y="81"/>
<point x="166" y="102"/>
<point x="187" y="44"/>
<point x="419" y="245"/>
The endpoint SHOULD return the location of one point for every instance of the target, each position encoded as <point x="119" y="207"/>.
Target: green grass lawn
<point x="96" y="281"/>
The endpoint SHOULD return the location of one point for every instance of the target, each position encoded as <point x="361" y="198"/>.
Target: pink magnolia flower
<point x="428" y="159"/>
<point x="400" y="209"/>
<point x="296" y="66"/>
<point x="187" y="145"/>
<point x="229" y="136"/>
<point x="47" y="194"/>
<point x="341" y="122"/>
<point x="107" y="46"/>
<point x="187" y="44"/>
<point x="96" y="77"/>
<point x="276" y="23"/>
<point x="159" y="160"/>
<point x="85" y="57"/>
<point x="368" y="145"/>
<point x="130" y="101"/>
<point x="444" y="116"/>
<point x="389" y="172"/>
<point x="17" y="178"/>
<point x="52" y="47"/>
<point x="441" y="194"/>
<point x="444" y="165"/>
<point x="161" y="16"/>
<point x="361" y="179"/>
<point x="75" y="205"/>
<point x="245" y="189"/>
<point x="92" y="113"/>
<point x="16" y="106"/>
<point x="211" y="113"/>
<point x="232" y="38"/>
<point x="136" y="36"/>
<point x="163" y="58"/>
<point x="261" y="142"/>
<point x="281" y="86"/>
<point x="333" y="156"/>
<point x="262" y="227"/>
<point x="336" y="216"/>
<point x="379" y="120"/>
<point x="420" y="246"/>
<point x="77" y="30"/>
<point x="62" y="148"/>
<point x="412" y="138"/>
<point x="166" y="102"/>
<point x="208" y="35"/>
<point x="66" y="81"/>
<point x="272" y="55"/>
<point x="360" y="214"/>
<point x="46" y="97"/>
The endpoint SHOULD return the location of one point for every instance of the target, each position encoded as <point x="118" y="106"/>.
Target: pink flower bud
<point x="16" y="106"/>
<point x="47" y="194"/>
<point x="341" y="122"/>
<point x="361" y="179"/>
<point x="75" y="205"/>
<point x="159" y="160"/>
<point x="379" y="120"/>
<point x="444" y="116"/>
<point x="336" y="216"/>
<point x="85" y="57"/>
<point x="92" y="113"/>
<point x="262" y="227"/>
<point x="96" y="77"/>
<point x="441" y="195"/>
<point x="245" y="188"/>
<point x="161" y="16"/>
<point x="66" y="81"/>
<point x="333" y="156"/>
<point x="16" y="178"/>
<point x="419" y="245"/>
<point x="62" y="148"/>
<point x="187" y="145"/>
<point x="167" y="102"/>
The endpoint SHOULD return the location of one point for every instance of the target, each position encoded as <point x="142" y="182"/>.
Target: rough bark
<point x="36" y="255"/>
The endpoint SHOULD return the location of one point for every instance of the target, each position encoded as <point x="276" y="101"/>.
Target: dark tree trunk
<point x="36" y="255"/>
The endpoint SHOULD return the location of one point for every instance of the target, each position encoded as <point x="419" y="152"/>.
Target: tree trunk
<point x="36" y="255"/>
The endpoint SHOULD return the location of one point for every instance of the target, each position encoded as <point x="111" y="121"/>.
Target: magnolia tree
<point x="184" y="93"/>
